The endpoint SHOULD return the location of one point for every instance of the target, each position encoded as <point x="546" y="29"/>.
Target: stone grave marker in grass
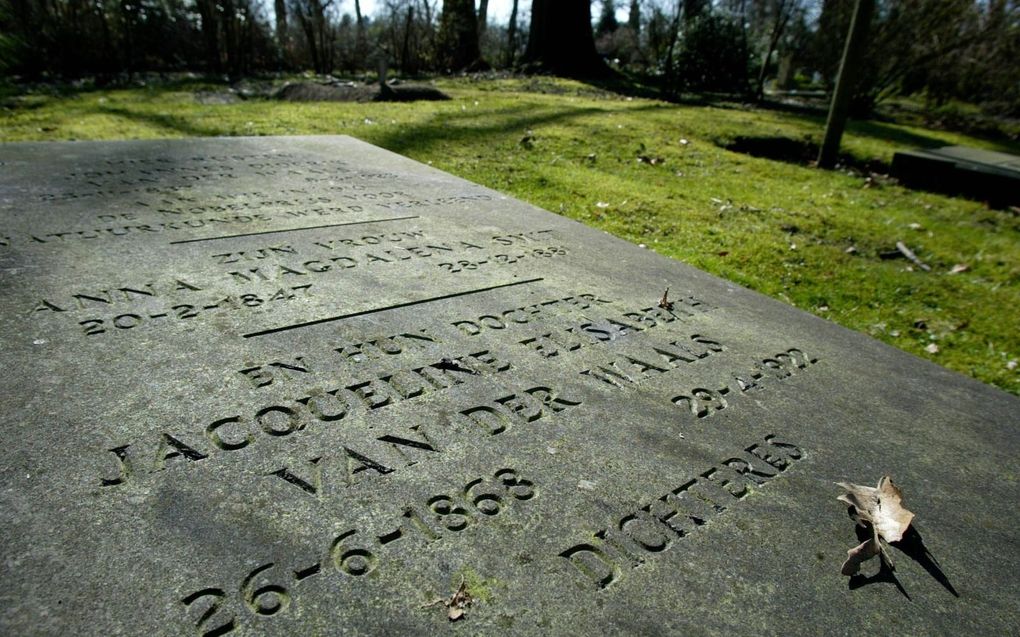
<point x="982" y="174"/>
<point x="307" y="386"/>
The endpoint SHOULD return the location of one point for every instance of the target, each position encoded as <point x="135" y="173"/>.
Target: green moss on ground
<point x="779" y="228"/>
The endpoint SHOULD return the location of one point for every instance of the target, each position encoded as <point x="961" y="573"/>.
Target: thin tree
<point x="511" y="36"/>
<point x="783" y="10"/>
<point x="674" y="34"/>
<point x="848" y="69"/>
<point x="360" y="41"/>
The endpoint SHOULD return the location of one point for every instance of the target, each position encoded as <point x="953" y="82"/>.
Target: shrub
<point x="713" y="56"/>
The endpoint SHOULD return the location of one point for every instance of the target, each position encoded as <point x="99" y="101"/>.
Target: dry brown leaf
<point x="880" y="509"/>
<point x="457" y="604"/>
<point x="460" y="600"/>
<point x="859" y="554"/>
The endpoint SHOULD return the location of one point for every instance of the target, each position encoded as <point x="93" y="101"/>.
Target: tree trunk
<point x="511" y="36"/>
<point x="230" y="20"/>
<point x="210" y="32"/>
<point x="405" y="53"/>
<point x="634" y="17"/>
<point x="561" y="39"/>
<point x="483" y="17"/>
<point x="282" y="34"/>
<point x="458" y="35"/>
<point x="784" y="75"/>
<point x="783" y="12"/>
<point x="852" y="54"/>
<point x="360" y="42"/>
<point x="109" y="64"/>
<point x="693" y="9"/>
<point x="674" y="32"/>
<point x="307" y="21"/>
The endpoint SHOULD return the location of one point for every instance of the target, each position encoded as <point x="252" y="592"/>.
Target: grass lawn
<point x="779" y="228"/>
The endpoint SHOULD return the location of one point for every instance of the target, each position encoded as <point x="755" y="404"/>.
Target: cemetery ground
<point x="660" y="175"/>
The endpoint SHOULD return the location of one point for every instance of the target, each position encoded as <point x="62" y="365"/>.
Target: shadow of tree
<point x="180" y="124"/>
<point x="447" y="127"/>
<point x="895" y="134"/>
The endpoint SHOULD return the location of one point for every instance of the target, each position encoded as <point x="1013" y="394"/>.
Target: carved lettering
<point x="653" y="528"/>
<point x="124" y="467"/>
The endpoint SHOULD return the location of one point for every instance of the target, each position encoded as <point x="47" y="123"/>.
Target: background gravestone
<point x="303" y="386"/>
<point x="982" y="174"/>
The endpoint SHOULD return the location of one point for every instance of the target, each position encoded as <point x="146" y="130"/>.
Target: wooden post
<point x="852" y="54"/>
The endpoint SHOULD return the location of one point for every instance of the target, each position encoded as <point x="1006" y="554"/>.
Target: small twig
<point x="454" y="366"/>
<point x="907" y="252"/>
<point x="665" y="303"/>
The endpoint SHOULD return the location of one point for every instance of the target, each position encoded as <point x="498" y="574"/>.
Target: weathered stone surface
<point x="305" y="386"/>
<point x="982" y="174"/>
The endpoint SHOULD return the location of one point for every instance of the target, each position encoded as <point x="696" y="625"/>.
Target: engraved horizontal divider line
<point x="397" y="306"/>
<point x="329" y="225"/>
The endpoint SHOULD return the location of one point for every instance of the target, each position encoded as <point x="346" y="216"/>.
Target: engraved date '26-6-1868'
<point x="266" y="590"/>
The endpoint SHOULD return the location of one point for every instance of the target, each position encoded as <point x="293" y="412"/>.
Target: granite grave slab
<point x="303" y="385"/>
<point x="982" y="174"/>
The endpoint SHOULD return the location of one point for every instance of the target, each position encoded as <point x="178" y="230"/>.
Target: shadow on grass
<point x="802" y="152"/>
<point x="162" y="120"/>
<point x="895" y="134"/>
<point x="443" y="127"/>
<point x="145" y="81"/>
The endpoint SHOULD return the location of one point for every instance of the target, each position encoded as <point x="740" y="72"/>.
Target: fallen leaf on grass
<point x="652" y="161"/>
<point x="908" y="253"/>
<point x="958" y="268"/>
<point x="880" y="509"/>
<point x="932" y="348"/>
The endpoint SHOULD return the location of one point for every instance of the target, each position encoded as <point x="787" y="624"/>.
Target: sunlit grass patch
<point x="659" y="174"/>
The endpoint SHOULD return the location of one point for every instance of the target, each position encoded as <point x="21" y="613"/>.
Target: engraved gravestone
<point x="306" y="386"/>
<point x="983" y="174"/>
